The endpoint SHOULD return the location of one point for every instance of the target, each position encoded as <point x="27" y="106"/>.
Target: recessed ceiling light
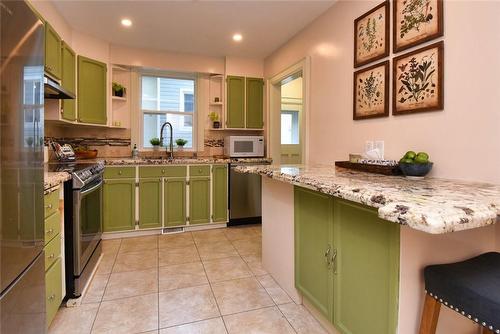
<point x="237" y="37"/>
<point x="126" y="22"/>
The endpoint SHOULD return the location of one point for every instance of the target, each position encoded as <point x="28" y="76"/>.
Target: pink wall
<point x="463" y="140"/>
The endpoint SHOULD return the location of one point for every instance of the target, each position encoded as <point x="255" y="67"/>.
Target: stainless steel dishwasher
<point x="245" y="205"/>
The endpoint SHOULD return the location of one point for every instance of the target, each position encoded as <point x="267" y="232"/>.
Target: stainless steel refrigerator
<point x="22" y="272"/>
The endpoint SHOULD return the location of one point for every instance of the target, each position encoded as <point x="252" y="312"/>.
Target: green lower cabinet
<point x="219" y="193"/>
<point x="150" y="202"/>
<point x="355" y="282"/>
<point x="367" y="270"/>
<point x="313" y="246"/>
<point x="174" y="198"/>
<point x="53" y="290"/>
<point x="119" y="205"/>
<point x="199" y="200"/>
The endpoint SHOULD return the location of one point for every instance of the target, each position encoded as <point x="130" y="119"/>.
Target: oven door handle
<point x="83" y="193"/>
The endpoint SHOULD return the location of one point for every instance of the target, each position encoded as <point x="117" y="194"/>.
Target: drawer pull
<point x="200" y="170"/>
<point x="120" y="172"/>
<point x="52" y="297"/>
<point x="163" y="171"/>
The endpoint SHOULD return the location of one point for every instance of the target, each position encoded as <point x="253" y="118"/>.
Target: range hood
<point x="53" y="90"/>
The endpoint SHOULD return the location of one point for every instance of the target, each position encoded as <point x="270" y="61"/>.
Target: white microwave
<point x="244" y="146"/>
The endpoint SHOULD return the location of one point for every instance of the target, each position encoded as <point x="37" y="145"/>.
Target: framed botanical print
<point x="418" y="80"/>
<point x="416" y="22"/>
<point x="371" y="40"/>
<point x="371" y="92"/>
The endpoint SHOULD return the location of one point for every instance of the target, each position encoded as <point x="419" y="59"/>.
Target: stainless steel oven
<point x="82" y="223"/>
<point x="87" y="222"/>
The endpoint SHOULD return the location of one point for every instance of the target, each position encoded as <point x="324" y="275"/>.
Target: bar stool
<point x="471" y="287"/>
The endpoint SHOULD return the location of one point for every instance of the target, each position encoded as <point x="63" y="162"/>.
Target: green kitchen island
<point x="352" y="246"/>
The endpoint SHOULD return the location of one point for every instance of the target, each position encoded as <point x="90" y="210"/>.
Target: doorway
<point x="291" y="110"/>
<point x="288" y="114"/>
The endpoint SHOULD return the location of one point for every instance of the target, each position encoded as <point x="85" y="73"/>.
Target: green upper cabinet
<point x="150" y="202"/>
<point x="367" y="270"/>
<point x="174" y="202"/>
<point x="92" y="95"/>
<point x="235" y="102"/>
<point x="255" y="103"/>
<point x="314" y="248"/>
<point x="52" y="52"/>
<point x="219" y="193"/>
<point x="199" y="200"/>
<point x="68" y="81"/>
<point x="119" y="205"/>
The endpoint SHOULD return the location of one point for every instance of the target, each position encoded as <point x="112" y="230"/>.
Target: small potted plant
<point x="214" y="117"/>
<point x="156" y="143"/>
<point x="180" y="143"/>
<point x="118" y="90"/>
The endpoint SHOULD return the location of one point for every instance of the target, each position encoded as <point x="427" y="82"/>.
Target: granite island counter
<point x="352" y="246"/>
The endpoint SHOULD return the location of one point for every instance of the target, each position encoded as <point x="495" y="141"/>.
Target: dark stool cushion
<point x="471" y="287"/>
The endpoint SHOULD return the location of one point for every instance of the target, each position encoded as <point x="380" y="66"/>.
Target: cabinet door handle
<point x="327" y="255"/>
<point x="49" y="231"/>
<point x="51" y="256"/>
<point x="333" y="261"/>
<point x="52" y="297"/>
<point x="48" y="206"/>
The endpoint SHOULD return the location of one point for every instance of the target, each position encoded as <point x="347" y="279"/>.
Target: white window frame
<point x="194" y="114"/>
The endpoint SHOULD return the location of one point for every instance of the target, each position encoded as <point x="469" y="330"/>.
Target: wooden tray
<point x="370" y="168"/>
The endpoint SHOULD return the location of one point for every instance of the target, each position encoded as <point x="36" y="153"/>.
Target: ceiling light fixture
<point x="126" y="22"/>
<point x="237" y="37"/>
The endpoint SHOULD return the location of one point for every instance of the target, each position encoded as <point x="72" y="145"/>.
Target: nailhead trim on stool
<point x="484" y="324"/>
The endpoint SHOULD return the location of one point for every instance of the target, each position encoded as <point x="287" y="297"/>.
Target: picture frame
<point x="371" y="35"/>
<point x="371" y="91"/>
<point x="416" y="22"/>
<point x="418" y="80"/>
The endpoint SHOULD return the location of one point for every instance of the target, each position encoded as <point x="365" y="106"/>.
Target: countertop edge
<point x="393" y="210"/>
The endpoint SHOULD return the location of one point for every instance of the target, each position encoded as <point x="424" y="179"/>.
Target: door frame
<point x="274" y="108"/>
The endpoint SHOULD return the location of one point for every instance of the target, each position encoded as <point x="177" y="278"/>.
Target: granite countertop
<point x="181" y="161"/>
<point x="430" y="205"/>
<point x="53" y="179"/>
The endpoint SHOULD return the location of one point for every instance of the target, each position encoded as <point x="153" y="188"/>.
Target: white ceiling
<point x="199" y="27"/>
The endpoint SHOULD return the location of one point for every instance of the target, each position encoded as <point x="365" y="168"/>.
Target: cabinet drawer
<point x="52" y="251"/>
<point x="52" y="226"/>
<point x="162" y="171"/>
<point x="53" y="286"/>
<point x="119" y="173"/>
<point x="199" y="171"/>
<point x="51" y="202"/>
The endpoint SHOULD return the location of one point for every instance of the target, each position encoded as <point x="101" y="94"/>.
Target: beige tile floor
<point x="207" y="282"/>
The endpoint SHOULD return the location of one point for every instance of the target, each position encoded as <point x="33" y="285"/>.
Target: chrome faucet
<point x="171" y="145"/>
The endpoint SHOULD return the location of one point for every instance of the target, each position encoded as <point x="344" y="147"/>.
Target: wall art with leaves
<point x="416" y="22"/>
<point x="371" y="40"/>
<point x="418" y="80"/>
<point x="371" y="92"/>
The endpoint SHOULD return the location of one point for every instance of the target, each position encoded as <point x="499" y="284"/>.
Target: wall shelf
<point x="118" y="98"/>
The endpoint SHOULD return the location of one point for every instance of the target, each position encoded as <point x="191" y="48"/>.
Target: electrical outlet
<point x="379" y="144"/>
<point x="368" y="145"/>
